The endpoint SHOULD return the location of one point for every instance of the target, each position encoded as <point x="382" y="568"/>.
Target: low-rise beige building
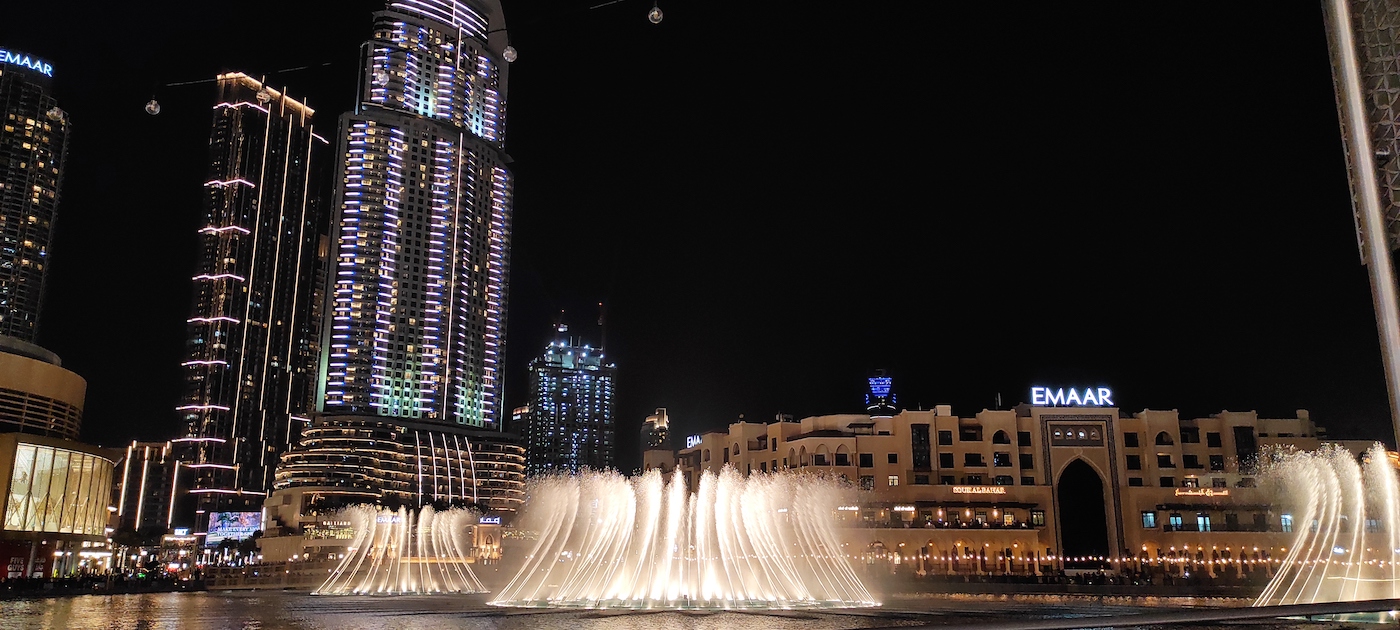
<point x="1035" y="488"/>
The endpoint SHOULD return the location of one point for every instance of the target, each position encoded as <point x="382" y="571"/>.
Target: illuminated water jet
<point x="1347" y="543"/>
<point x="757" y="541"/>
<point x="398" y="551"/>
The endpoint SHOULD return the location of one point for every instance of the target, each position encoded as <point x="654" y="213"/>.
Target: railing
<point x="1220" y="527"/>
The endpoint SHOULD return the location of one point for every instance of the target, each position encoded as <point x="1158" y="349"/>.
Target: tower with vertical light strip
<point x="254" y="329"/>
<point x="418" y="301"/>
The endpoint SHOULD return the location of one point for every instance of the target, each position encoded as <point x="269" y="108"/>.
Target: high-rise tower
<point x="253" y="334"/>
<point x="33" y="144"/>
<point x="570" y="425"/>
<point x="1364" y="41"/>
<point x="415" y="313"/>
<point x="418" y="305"/>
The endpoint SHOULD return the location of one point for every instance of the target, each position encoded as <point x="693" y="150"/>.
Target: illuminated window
<point x="894" y="480"/>
<point x="1149" y="520"/>
<point x="1286" y="523"/>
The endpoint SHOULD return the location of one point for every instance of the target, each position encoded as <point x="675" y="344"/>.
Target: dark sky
<point x="775" y="198"/>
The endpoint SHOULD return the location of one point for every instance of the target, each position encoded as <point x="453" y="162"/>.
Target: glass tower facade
<point x="33" y="144"/>
<point x="254" y="329"/>
<point x="570" y="425"/>
<point x="418" y="301"/>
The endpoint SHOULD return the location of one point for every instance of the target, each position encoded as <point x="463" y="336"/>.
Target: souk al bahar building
<point x="1060" y="483"/>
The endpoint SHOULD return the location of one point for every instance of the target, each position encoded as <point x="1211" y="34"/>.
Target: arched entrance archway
<point x="1083" y="517"/>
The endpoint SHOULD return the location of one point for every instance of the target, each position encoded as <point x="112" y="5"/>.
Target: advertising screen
<point x="232" y="526"/>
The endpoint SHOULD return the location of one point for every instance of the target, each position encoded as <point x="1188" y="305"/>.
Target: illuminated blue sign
<point x="490" y="520"/>
<point x="1087" y="397"/>
<point x="21" y="59"/>
<point x="692" y="441"/>
<point x="880" y="386"/>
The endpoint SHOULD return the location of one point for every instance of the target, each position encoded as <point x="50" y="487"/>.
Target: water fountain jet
<point x="757" y="541"/>
<point x="400" y="552"/>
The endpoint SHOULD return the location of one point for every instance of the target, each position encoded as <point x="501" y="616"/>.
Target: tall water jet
<point x="1347" y="543"/>
<point x="398" y="551"/>
<point x="756" y="541"/>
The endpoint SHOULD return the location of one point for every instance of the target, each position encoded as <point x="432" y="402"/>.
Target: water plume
<point x="756" y="541"/>
<point x="399" y="551"/>
<point x="1346" y="545"/>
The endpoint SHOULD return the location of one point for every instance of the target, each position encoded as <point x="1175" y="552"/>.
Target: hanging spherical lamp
<point x="152" y="107"/>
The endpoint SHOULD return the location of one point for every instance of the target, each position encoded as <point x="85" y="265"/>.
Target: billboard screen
<point x="232" y="526"/>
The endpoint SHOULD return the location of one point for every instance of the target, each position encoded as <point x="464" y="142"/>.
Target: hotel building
<point x="56" y="490"/>
<point x="33" y="145"/>
<point x="253" y="332"/>
<point x="1023" y="490"/>
<point x="410" y="388"/>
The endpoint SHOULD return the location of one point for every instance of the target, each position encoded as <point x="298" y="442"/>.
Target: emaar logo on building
<point x="21" y="59"/>
<point x="1089" y="396"/>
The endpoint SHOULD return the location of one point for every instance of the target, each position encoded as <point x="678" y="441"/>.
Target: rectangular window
<point x="1202" y="522"/>
<point x="867" y="482"/>
<point x="1191" y="482"/>
<point x="1149" y="520"/>
<point x="945" y="438"/>
<point x="1190" y="461"/>
<point x="843" y="459"/>
<point x="892" y="458"/>
<point x="946" y="480"/>
<point x="973" y="480"/>
<point x="1004" y="480"/>
<point x="1167" y="482"/>
<point x="1165" y="461"/>
<point x="867" y="460"/>
<point x="1217" y="463"/>
<point x="1135" y="482"/>
<point x="1218" y="482"/>
<point x="922" y="451"/>
<point x="1027" y="461"/>
<point x="981" y="517"/>
<point x="818" y="459"/>
<point x="1027" y="481"/>
<point x="945" y="460"/>
<point x="1134" y="462"/>
<point x="1130" y="440"/>
<point x="763" y="467"/>
<point x="1001" y="460"/>
<point x="1286" y="523"/>
<point x="1023" y="438"/>
<point x="970" y="434"/>
<point x="973" y="459"/>
<point x="921" y="480"/>
<point x="726" y="454"/>
<point x="894" y="480"/>
<point x="1213" y="439"/>
<point x="1175" y="521"/>
<point x="1038" y="518"/>
<point x="1008" y="519"/>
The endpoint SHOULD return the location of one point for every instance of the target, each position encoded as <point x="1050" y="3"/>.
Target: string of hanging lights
<point x="510" y="54"/>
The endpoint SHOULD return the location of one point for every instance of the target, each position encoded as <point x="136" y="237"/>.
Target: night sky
<point x="774" y="199"/>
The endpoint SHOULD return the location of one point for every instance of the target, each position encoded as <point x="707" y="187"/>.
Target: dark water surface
<point x="299" y="611"/>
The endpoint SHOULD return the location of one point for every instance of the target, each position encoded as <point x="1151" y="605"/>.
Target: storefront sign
<point x="903" y="508"/>
<point x="692" y="441"/>
<point x="490" y="520"/>
<point x="1202" y="492"/>
<point x="1087" y="397"/>
<point x="979" y="489"/>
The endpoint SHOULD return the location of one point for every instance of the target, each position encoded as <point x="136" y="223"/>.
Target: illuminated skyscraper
<point x="570" y="425"/>
<point x="253" y="333"/>
<point x="33" y="144"/>
<point x="423" y="202"/>
<point x="415" y="328"/>
<point x="1364" y="41"/>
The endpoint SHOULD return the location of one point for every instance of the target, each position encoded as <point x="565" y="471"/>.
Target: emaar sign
<point x="21" y="59"/>
<point x="692" y="441"/>
<point x="1087" y="397"/>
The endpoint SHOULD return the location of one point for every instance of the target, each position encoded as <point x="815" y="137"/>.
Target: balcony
<point x="1221" y="527"/>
